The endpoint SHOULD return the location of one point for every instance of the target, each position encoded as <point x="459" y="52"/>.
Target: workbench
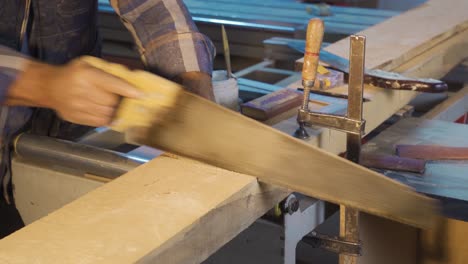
<point x="205" y="207"/>
<point x="444" y="180"/>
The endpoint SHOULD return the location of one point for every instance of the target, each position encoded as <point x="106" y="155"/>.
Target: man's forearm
<point x="30" y="87"/>
<point x="20" y="79"/>
<point x="12" y="63"/>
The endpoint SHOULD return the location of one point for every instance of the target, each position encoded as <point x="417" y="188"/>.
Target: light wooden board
<point x="401" y="38"/>
<point x="438" y="60"/>
<point x="398" y="40"/>
<point x="139" y="217"/>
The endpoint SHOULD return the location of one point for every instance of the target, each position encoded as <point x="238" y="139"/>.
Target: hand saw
<point x="171" y="119"/>
<point x="379" y="78"/>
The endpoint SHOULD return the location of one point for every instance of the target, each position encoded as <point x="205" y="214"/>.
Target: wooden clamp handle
<point x="314" y="37"/>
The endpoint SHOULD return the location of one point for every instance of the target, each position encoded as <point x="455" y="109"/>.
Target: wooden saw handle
<point x="161" y="95"/>
<point x="314" y="37"/>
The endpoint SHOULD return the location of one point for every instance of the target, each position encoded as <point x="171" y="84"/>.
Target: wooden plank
<point x="445" y="181"/>
<point x="142" y="216"/>
<point x="256" y="21"/>
<point x="301" y="6"/>
<point x="432" y="152"/>
<point x="401" y="38"/>
<point x="273" y="104"/>
<point x="438" y="60"/>
<point x="270" y="12"/>
<point x="353" y="20"/>
<point x="389" y="162"/>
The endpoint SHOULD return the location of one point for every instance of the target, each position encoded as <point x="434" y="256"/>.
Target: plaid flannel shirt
<point x="167" y="38"/>
<point x="164" y="32"/>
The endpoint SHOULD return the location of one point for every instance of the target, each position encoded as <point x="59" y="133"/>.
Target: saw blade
<point x="202" y="130"/>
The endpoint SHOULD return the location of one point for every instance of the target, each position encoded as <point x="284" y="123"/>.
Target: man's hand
<point x="79" y="93"/>
<point x="198" y="83"/>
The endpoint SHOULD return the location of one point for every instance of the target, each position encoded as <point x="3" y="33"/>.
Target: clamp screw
<point x="292" y="206"/>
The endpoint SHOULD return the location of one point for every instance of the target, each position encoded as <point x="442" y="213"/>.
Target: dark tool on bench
<point x="379" y="78"/>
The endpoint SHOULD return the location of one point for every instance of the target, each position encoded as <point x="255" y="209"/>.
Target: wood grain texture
<point x="438" y="60"/>
<point x="272" y="104"/>
<point x="194" y="214"/>
<point x="389" y="162"/>
<point x="432" y="152"/>
<point x="418" y="131"/>
<point x="398" y="39"/>
<point x="403" y="37"/>
<point x="314" y="39"/>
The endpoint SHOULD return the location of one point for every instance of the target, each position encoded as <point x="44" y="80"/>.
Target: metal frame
<point x="308" y="214"/>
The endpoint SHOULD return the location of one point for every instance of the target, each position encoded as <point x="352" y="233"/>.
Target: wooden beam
<point x="437" y="61"/>
<point x="170" y="210"/>
<point x="401" y="38"/>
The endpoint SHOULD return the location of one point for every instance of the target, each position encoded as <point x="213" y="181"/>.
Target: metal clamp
<point x="302" y="215"/>
<point x="347" y="245"/>
<point x="337" y="122"/>
<point x="351" y="123"/>
<point x="333" y="244"/>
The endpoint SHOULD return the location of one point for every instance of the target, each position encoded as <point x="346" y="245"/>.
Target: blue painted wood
<point x="276" y="15"/>
<point x="446" y="181"/>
